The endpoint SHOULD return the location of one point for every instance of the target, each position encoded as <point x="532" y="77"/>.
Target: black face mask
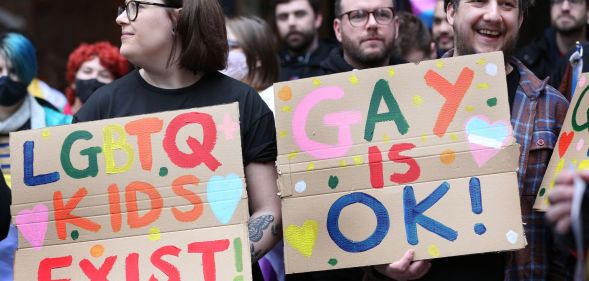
<point x="85" y="88"/>
<point x="11" y="92"/>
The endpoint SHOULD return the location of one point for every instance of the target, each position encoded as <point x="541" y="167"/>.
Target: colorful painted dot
<point x="453" y="137"/>
<point x="75" y="235"/>
<point x="483" y="86"/>
<point x="282" y="134"/>
<point x="238" y="278"/>
<point x="358" y="160"/>
<point x="481" y="61"/>
<point x="584" y="165"/>
<point x="310" y="167"/>
<point x="316" y="82"/>
<point x="469" y="108"/>
<point x="286" y="108"/>
<point x="300" y="186"/>
<point x="491" y="69"/>
<point x="343" y="163"/>
<point x="353" y="80"/>
<point x="433" y="251"/>
<point x="163" y="171"/>
<point x="386" y="137"/>
<point x="492" y="102"/>
<point x="480" y="229"/>
<point x="512" y="237"/>
<point x="333" y="182"/>
<point x="154" y="234"/>
<point x="293" y="155"/>
<point x="97" y="251"/>
<point x="440" y="64"/>
<point x="417" y="100"/>
<point x="285" y="93"/>
<point x="391" y="72"/>
<point x="542" y="191"/>
<point x="332" y="262"/>
<point x="424" y="138"/>
<point x="448" y="156"/>
<point x="45" y="134"/>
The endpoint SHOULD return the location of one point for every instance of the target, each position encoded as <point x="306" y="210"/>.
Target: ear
<point x="433" y="51"/>
<point x="396" y="27"/>
<point x="520" y="21"/>
<point x="318" y="21"/>
<point x="450" y="14"/>
<point x="337" y="28"/>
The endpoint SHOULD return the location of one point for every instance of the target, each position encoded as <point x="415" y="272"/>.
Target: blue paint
<point x="29" y="178"/>
<point x="4" y="155"/>
<point x="5" y="166"/>
<point x="414" y="214"/>
<point x="382" y="222"/>
<point x="480" y="229"/>
<point x="475" y="195"/>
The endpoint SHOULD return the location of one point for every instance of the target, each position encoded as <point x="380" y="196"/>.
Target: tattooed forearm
<point x="276" y="229"/>
<point x="256" y="254"/>
<point x="257" y="226"/>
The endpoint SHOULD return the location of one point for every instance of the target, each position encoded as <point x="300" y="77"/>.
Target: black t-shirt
<point x="132" y="95"/>
<point x="5" y="201"/>
<point x="512" y="84"/>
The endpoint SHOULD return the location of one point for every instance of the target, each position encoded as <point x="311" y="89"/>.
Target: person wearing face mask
<point x="19" y="110"/>
<point x="252" y="55"/>
<point x="89" y="67"/>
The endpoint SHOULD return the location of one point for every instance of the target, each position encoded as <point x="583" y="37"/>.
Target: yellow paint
<point x="358" y="160"/>
<point x="97" y="251"/>
<point x="386" y="137"/>
<point x="285" y="93"/>
<point x="316" y="82"/>
<point x="584" y="165"/>
<point x="310" y="167"/>
<point x="302" y="238"/>
<point x="440" y="64"/>
<point x="45" y="134"/>
<point x="286" y="108"/>
<point x="293" y="155"/>
<point x="433" y="251"/>
<point x="448" y="156"/>
<point x="453" y="137"/>
<point x="469" y="108"/>
<point x="154" y="234"/>
<point x="483" y="86"/>
<point x="111" y="144"/>
<point x="282" y="134"/>
<point x="353" y="80"/>
<point x="343" y="163"/>
<point x="417" y="100"/>
<point x="392" y="72"/>
<point x="423" y="137"/>
<point x="481" y="62"/>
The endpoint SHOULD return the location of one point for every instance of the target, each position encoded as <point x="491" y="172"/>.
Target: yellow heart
<point x="302" y="238"/>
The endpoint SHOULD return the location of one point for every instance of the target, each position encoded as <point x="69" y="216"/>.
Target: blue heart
<point x="224" y="194"/>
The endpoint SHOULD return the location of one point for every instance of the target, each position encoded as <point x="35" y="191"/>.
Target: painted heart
<point x="224" y="194"/>
<point x="564" y="142"/>
<point x="580" y="144"/>
<point x="32" y="224"/>
<point x="302" y="238"/>
<point x="486" y="138"/>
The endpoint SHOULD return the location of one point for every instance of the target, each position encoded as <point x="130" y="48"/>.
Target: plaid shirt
<point x="537" y="116"/>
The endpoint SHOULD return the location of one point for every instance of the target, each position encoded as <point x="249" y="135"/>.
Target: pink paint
<point x="486" y="138"/>
<point x="33" y="225"/>
<point x="580" y="144"/>
<point x="228" y="127"/>
<point x="342" y="120"/>
<point x="582" y="81"/>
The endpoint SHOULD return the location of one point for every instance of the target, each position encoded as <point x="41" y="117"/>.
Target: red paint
<point x="564" y="142"/>
<point x="167" y="268"/>
<point x="375" y="165"/>
<point x="201" y="152"/>
<point x="114" y="201"/>
<point x="143" y="129"/>
<point x="133" y="218"/>
<point x="63" y="214"/>
<point x="132" y="267"/>
<point x="98" y="274"/>
<point x="193" y="198"/>
<point x="413" y="172"/>
<point x="208" y="250"/>
<point x="453" y="93"/>
<point x="48" y="264"/>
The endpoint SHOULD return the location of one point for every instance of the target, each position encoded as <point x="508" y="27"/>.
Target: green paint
<point x="492" y="102"/>
<point x="163" y="171"/>
<point x="584" y="126"/>
<point x="382" y="91"/>
<point x="238" y="253"/>
<point x="238" y="278"/>
<point x="542" y="191"/>
<point x="75" y="235"/>
<point x="91" y="152"/>
<point x="332" y="262"/>
<point x="333" y="182"/>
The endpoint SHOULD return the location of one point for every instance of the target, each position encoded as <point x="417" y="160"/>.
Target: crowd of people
<point x="178" y="54"/>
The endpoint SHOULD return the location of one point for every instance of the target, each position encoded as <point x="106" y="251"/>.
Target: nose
<point x="291" y="19"/>
<point x="492" y="12"/>
<point x="371" y="20"/>
<point x="122" y="18"/>
<point x="566" y="5"/>
<point x="445" y="26"/>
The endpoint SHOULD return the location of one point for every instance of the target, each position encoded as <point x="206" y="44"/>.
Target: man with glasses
<point x="367" y="31"/>
<point x="569" y="25"/>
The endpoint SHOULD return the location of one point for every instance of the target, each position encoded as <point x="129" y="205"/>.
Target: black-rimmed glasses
<point x="132" y="8"/>
<point x="559" y="2"/>
<point x="359" y="18"/>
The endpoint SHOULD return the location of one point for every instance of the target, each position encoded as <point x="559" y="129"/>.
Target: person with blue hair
<point x="19" y="110"/>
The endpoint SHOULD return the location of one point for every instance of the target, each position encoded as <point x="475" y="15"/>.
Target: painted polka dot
<point x="481" y="62"/>
<point x="440" y="64"/>
<point x="285" y="93"/>
<point x="424" y="138"/>
<point x="343" y="163"/>
<point x="386" y="137"/>
<point x="311" y="167"/>
<point x="97" y="251"/>
<point x="483" y="86"/>
<point x="512" y="237"/>
<point x="448" y="156"/>
<point x="454" y="137"/>
<point x="286" y="108"/>
<point x="293" y="155"/>
<point x="300" y="186"/>
<point x="491" y="69"/>
<point x="469" y="108"/>
<point x="392" y="72"/>
<point x="45" y="134"/>
<point x="163" y="171"/>
<point x="154" y="234"/>
<point x="433" y="251"/>
<point x="353" y="80"/>
<point x="282" y="134"/>
<point x="75" y="235"/>
<point x="358" y="160"/>
<point x="417" y="100"/>
<point x="316" y="82"/>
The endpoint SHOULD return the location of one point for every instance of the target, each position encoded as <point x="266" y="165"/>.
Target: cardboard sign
<point x="375" y="162"/>
<point x="151" y="196"/>
<point x="570" y="152"/>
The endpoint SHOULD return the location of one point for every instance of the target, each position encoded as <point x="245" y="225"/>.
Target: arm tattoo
<point x="257" y="226"/>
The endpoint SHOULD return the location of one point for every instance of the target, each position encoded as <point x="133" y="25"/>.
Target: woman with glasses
<point x="179" y="48"/>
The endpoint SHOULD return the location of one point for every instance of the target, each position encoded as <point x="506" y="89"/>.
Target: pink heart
<point x="33" y="225"/>
<point x="580" y="144"/>
<point x="582" y="81"/>
<point x="486" y="138"/>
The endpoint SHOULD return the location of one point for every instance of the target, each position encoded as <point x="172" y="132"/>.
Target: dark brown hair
<point x="201" y="27"/>
<point x="256" y="39"/>
<point x="522" y="4"/>
<point x="315" y="4"/>
<point x="413" y="35"/>
<point x="338" y="7"/>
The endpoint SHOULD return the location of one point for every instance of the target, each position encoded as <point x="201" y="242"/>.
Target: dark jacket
<point x="335" y="62"/>
<point x="542" y="55"/>
<point x="561" y="77"/>
<point x="5" y="201"/>
<point x="304" y="66"/>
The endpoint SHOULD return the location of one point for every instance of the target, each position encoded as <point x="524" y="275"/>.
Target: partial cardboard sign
<point x="375" y="162"/>
<point x="159" y="195"/>
<point x="570" y="152"/>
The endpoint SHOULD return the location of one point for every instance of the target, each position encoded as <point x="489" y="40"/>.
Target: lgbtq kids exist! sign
<point x="375" y="162"/>
<point x="571" y="152"/>
<point x="151" y="197"/>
